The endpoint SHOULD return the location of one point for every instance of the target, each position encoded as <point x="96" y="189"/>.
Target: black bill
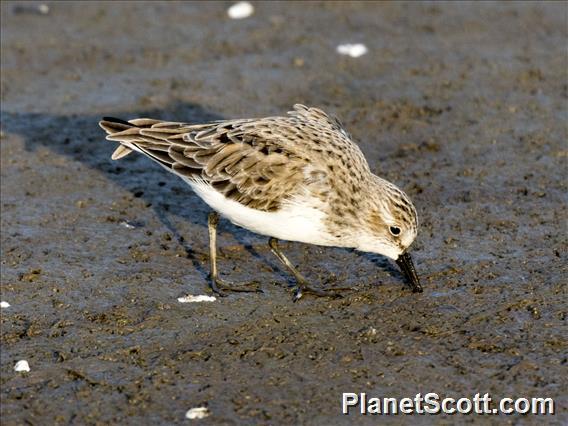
<point x="405" y="264"/>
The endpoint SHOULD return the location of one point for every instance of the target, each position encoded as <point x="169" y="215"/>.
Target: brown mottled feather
<point x="242" y="158"/>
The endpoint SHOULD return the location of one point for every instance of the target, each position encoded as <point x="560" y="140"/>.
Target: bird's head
<point x="394" y="224"/>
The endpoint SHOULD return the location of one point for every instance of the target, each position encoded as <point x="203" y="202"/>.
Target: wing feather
<point x="256" y="162"/>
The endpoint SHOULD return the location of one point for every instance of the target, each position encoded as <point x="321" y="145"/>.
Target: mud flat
<point x="463" y="105"/>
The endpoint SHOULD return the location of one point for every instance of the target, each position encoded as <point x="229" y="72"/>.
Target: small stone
<point x="22" y="365"/>
<point x="196" y="299"/>
<point x="354" y="50"/>
<point x="240" y="10"/>
<point x="127" y="224"/>
<point x="197" y="413"/>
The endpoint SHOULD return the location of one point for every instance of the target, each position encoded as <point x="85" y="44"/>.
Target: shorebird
<point x="298" y="177"/>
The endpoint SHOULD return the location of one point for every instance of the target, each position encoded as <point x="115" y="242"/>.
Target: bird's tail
<point x="124" y="132"/>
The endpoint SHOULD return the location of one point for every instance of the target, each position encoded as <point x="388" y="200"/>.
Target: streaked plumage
<point x="298" y="178"/>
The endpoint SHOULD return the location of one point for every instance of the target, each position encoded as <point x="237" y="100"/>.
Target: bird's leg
<point x="302" y="284"/>
<point x="218" y="284"/>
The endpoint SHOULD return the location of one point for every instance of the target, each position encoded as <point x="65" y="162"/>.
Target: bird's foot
<point x="303" y="288"/>
<point x="220" y="286"/>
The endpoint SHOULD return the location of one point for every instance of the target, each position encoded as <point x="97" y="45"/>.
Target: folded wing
<point x="238" y="158"/>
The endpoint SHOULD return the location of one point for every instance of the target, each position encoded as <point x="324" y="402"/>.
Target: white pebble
<point x="197" y="413"/>
<point x="193" y="299"/>
<point x="43" y="9"/>
<point x="127" y="225"/>
<point x="4" y="304"/>
<point x="353" y="50"/>
<point x="22" y="366"/>
<point x="240" y="10"/>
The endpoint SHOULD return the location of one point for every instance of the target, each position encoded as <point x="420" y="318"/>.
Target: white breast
<point x="296" y="221"/>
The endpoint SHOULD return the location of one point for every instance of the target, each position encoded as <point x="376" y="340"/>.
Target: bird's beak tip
<point x="406" y="265"/>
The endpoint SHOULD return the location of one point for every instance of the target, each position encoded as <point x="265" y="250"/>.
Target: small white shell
<point x="43" y="9"/>
<point x="4" y="304"/>
<point x="240" y="10"/>
<point x="22" y="365"/>
<point x="195" y="299"/>
<point x="197" y="413"/>
<point x="354" y="50"/>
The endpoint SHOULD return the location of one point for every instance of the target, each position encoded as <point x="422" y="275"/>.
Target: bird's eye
<point x="395" y="230"/>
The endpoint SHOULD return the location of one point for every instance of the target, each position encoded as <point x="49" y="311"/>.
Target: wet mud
<point x="462" y="105"/>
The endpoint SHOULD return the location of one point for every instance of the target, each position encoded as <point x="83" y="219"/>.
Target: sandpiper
<point x="298" y="177"/>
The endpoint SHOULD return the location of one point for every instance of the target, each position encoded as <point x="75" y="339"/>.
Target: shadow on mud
<point x="81" y="139"/>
